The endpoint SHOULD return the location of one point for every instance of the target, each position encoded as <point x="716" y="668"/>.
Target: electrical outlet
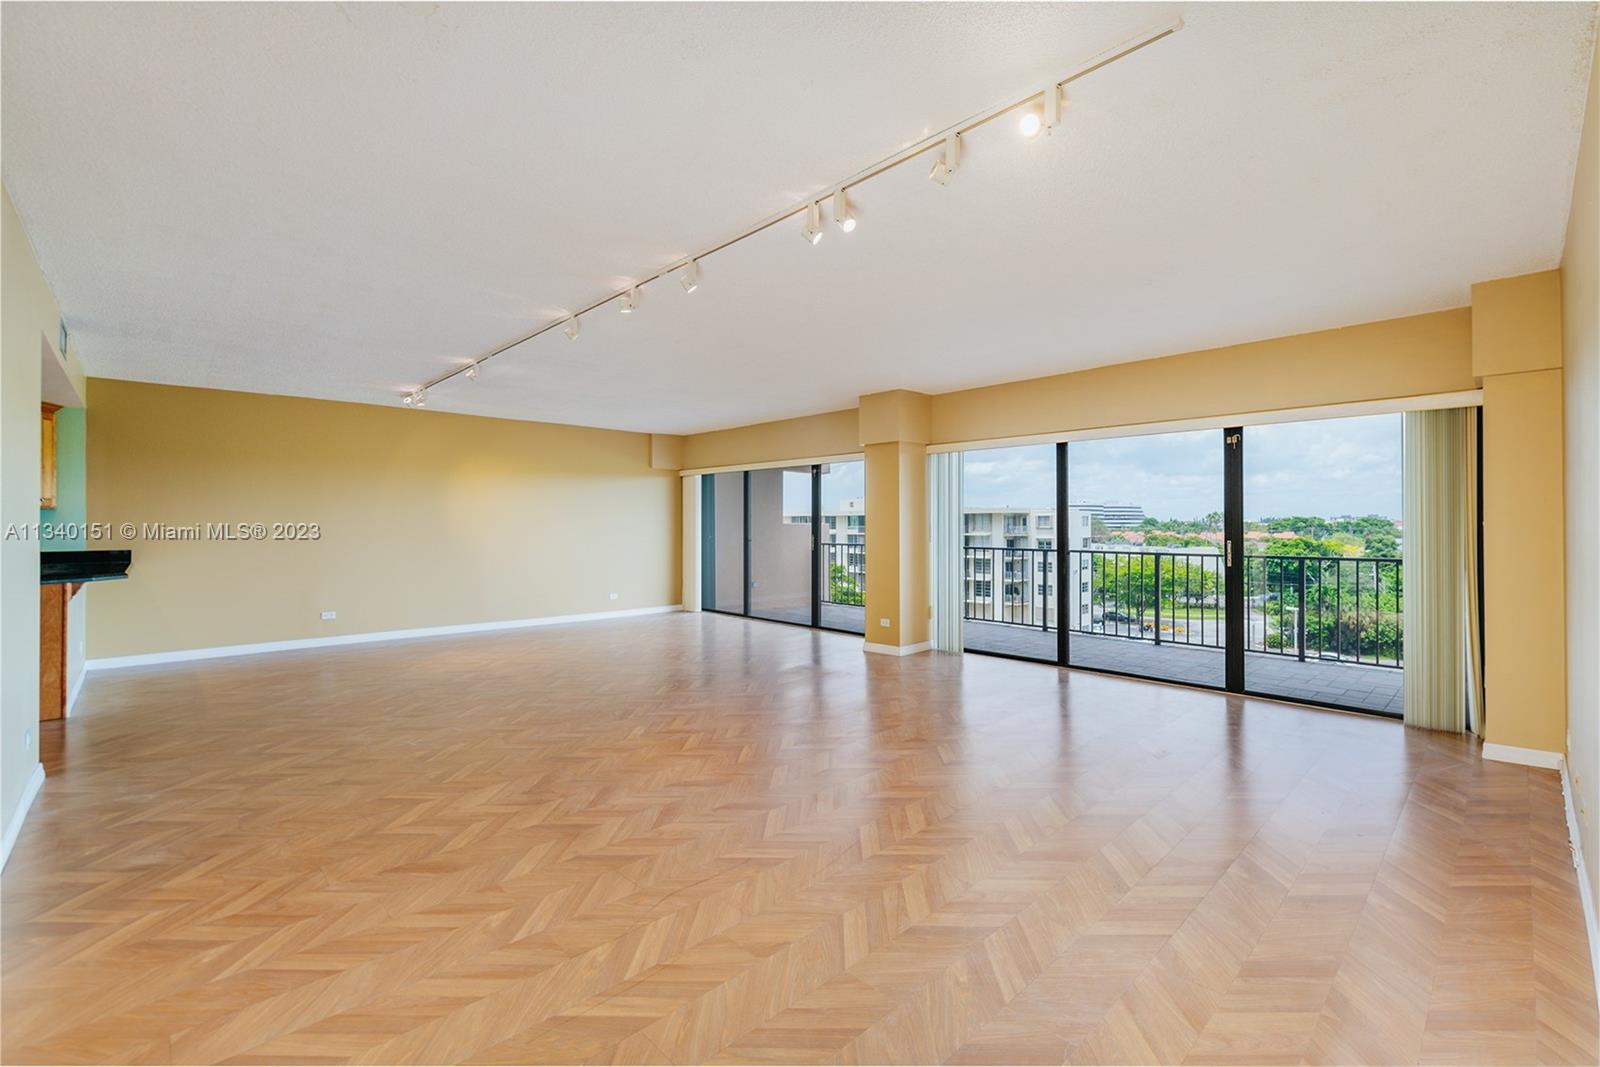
<point x="613" y="596"/>
<point x="27" y="741"/>
<point x="885" y="623"/>
<point x="329" y="615"/>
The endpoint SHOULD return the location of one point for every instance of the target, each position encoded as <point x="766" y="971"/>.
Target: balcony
<point x="1320" y="629"/>
<point x="844" y="585"/>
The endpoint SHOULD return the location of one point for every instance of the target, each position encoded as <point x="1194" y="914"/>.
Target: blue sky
<point x="1330" y="467"/>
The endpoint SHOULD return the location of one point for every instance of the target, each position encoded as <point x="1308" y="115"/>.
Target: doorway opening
<point x="787" y="544"/>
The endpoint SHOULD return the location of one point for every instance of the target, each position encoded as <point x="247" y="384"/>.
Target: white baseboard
<point x="77" y="687"/>
<point x="898" y="650"/>
<point x="219" y="651"/>
<point x="14" y="827"/>
<point x="1585" y="894"/>
<point x="1528" y="757"/>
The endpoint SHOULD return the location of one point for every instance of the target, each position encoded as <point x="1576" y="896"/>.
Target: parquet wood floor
<point x="698" y="839"/>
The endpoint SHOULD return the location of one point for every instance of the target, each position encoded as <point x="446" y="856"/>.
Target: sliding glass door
<point x="1148" y="581"/>
<point x="1263" y="560"/>
<point x="786" y="544"/>
<point x="1323" y="586"/>
<point x="842" y="546"/>
<point x="780" y="544"/>
<point x="1009" y="563"/>
<point x="722" y="524"/>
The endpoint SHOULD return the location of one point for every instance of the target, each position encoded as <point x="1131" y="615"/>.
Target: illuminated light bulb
<point x="842" y="213"/>
<point x="812" y="230"/>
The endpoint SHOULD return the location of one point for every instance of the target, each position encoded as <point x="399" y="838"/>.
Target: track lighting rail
<point x="947" y="139"/>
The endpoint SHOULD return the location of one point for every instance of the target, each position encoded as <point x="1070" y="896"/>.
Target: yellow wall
<point x="1580" y="277"/>
<point x="1516" y="347"/>
<point x="809" y="437"/>
<point x="1418" y="355"/>
<point x="893" y="427"/>
<point x="897" y="543"/>
<point x="1411" y="356"/>
<point x="1516" y="323"/>
<point x="28" y="321"/>
<point x="427" y="519"/>
<point x="26" y="310"/>
<point x="1524" y="643"/>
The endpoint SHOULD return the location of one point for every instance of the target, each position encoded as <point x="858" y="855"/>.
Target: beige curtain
<point x="1443" y="660"/>
<point x="1471" y="520"/>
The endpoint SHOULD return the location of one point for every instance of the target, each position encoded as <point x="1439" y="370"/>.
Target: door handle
<point x="1230" y="553"/>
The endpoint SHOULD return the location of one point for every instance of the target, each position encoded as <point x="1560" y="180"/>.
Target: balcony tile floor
<point x="1346" y="684"/>
<point x="850" y="618"/>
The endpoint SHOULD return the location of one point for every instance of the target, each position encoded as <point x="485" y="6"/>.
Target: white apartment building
<point x="1008" y="565"/>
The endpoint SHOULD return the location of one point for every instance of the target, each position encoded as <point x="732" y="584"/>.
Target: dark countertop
<point x="100" y="565"/>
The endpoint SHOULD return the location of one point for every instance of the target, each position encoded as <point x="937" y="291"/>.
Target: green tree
<point x="1302" y="546"/>
<point x="1381" y="543"/>
<point x="842" y="586"/>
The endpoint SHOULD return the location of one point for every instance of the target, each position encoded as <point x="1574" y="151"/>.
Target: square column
<point x="1516" y="350"/>
<point x="894" y="438"/>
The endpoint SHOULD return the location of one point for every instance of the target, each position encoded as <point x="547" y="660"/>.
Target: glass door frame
<point x="1233" y="570"/>
<point x="708" y="535"/>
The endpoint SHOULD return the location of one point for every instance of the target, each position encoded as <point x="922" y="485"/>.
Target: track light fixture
<point x="945" y="165"/>
<point x="1047" y="116"/>
<point x="841" y="211"/>
<point x="1041" y="110"/>
<point x="812" y="231"/>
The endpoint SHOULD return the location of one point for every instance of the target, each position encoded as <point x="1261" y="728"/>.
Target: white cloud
<point x="1330" y="467"/>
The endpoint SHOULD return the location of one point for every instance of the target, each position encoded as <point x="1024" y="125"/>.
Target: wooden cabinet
<point x="53" y="601"/>
<point x="47" y="455"/>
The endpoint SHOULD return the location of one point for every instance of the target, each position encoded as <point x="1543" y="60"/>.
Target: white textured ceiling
<point x="344" y="200"/>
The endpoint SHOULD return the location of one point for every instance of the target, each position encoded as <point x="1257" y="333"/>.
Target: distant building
<point x="1115" y="516"/>
<point x="1009" y="571"/>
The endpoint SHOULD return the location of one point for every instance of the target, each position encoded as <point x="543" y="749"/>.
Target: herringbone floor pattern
<point x="699" y="839"/>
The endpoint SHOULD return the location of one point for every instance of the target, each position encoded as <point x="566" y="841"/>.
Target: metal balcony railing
<point x="1324" y="608"/>
<point x="1009" y="585"/>
<point x="1335" y="608"/>
<point x="1164" y="597"/>
<point x="844" y="572"/>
